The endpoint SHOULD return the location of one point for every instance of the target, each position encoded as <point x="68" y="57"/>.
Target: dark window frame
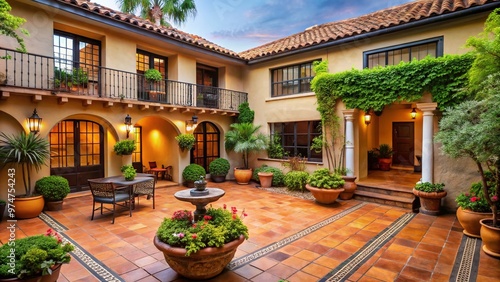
<point x="152" y="57"/>
<point x="439" y="48"/>
<point x="294" y="81"/>
<point x="313" y="130"/>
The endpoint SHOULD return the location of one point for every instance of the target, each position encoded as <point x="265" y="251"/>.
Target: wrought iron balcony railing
<point x="61" y="76"/>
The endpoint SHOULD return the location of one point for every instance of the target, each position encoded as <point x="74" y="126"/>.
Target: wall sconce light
<point x="191" y="124"/>
<point x="34" y="122"/>
<point x="128" y="124"/>
<point x="368" y="117"/>
<point x="413" y="113"/>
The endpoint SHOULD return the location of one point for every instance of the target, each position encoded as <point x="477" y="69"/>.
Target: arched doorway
<point x="77" y="152"/>
<point x="207" y="144"/>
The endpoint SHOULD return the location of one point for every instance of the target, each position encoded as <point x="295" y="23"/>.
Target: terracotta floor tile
<point x="264" y="277"/>
<point x="328" y="262"/>
<point x="421" y="263"/>
<point x="295" y="262"/>
<point x="135" y="275"/>
<point x="381" y="274"/>
<point x="307" y="255"/>
<point x="248" y="271"/>
<point x="416" y="273"/>
<point x="281" y="270"/>
<point x="390" y="265"/>
<point x="316" y="270"/>
<point x="278" y="256"/>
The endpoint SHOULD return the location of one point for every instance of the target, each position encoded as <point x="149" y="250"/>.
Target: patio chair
<point x="145" y="188"/>
<point x="108" y="193"/>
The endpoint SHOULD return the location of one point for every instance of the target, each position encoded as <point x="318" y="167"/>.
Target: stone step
<point x="391" y="191"/>
<point x="405" y="202"/>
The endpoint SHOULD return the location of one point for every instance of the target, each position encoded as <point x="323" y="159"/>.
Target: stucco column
<point x="427" y="140"/>
<point x="349" y="141"/>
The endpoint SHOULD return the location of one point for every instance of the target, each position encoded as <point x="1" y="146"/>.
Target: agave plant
<point x="26" y="150"/>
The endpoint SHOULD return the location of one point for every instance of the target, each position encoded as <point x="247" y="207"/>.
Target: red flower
<point x="494" y="198"/>
<point x="194" y="236"/>
<point x="225" y="206"/>
<point x="234" y="216"/>
<point x="207" y="217"/>
<point x="473" y="199"/>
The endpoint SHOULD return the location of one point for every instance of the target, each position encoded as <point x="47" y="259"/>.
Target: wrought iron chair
<point x="108" y="193"/>
<point x="145" y="188"/>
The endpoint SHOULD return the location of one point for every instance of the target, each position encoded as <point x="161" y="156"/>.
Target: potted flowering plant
<point x="210" y="242"/>
<point x="325" y="185"/>
<point x="34" y="256"/>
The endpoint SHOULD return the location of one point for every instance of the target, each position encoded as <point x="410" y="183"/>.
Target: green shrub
<point x="153" y="75"/>
<point x="246" y="114"/>
<point x="219" y="166"/>
<point x="129" y="172"/>
<point x="276" y="150"/>
<point x="429" y="187"/>
<point x="296" y="180"/>
<point x="186" y="141"/>
<point x="278" y="176"/>
<point x="323" y="178"/>
<point x="52" y="188"/>
<point x="124" y="147"/>
<point x="193" y="172"/>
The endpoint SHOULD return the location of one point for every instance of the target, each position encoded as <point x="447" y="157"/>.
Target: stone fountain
<point x="200" y="196"/>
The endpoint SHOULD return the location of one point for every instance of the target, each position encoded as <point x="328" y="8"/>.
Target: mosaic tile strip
<point x="92" y="264"/>
<point x="467" y="261"/>
<point x="275" y="246"/>
<point x="349" y="266"/>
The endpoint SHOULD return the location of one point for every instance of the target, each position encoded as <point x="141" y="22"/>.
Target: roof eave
<point x="430" y="20"/>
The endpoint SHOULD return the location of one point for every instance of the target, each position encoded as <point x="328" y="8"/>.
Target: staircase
<point x="393" y="188"/>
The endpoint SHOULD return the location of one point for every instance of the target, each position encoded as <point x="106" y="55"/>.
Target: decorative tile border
<point x="467" y="261"/>
<point x="350" y="265"/>
<point x="92" y="264"/>
<point x="237" y="263"/>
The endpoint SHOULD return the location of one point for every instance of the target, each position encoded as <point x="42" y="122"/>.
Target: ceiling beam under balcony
<point x="36" y="98"/>
<point x="62" y="100"/>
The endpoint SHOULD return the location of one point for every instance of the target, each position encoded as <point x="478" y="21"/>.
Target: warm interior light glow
<point x="368" y="118"/>
<point x="34" y="122"/>
<point x="128" y="124"/>
<point x="413" y="113"/>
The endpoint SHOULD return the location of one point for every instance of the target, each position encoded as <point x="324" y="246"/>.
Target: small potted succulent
<point x="186" y="141"/>
<point x="325" y="185"/>
<point x="191" y="173"/>
<point x="34" y="257"/>
<point x="430" y="195"/>
<point x="129" y="172"/>
<point x="211" y="241"/>
<point x="218" y="169"/>
<point x="54" y="189"/>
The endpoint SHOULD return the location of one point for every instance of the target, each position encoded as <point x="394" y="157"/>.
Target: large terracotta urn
<point x="349" y="187"/>
<point x="242" y="175"/>
<point x="28" y="207"/>
<point x="324" y="196"/>
<point x="204" y="264"/>
<point x="490" y="236"/>
<point x="470" y="221"/>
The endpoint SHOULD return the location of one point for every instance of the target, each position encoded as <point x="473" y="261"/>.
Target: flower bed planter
<point x="324" y="196"/>
<point x="204" y="264"/>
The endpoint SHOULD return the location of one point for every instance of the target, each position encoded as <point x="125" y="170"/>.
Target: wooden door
<point x="403" y="143"/>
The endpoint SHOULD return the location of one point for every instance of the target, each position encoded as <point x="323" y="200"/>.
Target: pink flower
<point x="467" y="194"/>
<point x="494" y="198"/>
<point x="181" y="235"/>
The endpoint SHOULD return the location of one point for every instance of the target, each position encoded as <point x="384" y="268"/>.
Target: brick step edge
<point x="386" y="191"/>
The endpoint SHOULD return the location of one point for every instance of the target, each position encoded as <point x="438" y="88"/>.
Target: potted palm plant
<point x="385" y="153"/>
<point x="28" y="152"/>
<point x="244" y="138"/>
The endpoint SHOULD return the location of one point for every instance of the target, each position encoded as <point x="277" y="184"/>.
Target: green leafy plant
<point x="52" y="188"/>
<point x="193" y="172"/>
<point x="246" y="115"/>
<point x="219" y="166"/>
<point x="474" y="200"/>
<point x="384" y="151"/>
<point x="129" y="172"/>
<point x="218" y="227"/>
<point x="186" y="141"/>
<point x="124" y="147"/>
<point x="276" y="150"/>
<point x="278" y="176"/>
<point x="33" y="255"/>
<point x="153" y="75"/>
<point x="296" y="180"/>
<point x="10" y="25"/>
<point x="244" y="138"/>
<point x="429" y="187"/>
<point x="79" y="77"/>
<point x="325" y="179"/>
<point x="29" y="151"/>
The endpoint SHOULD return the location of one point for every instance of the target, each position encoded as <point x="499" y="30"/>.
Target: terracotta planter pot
<point x="53" y="205"/>
<point x="470" y="221"/>
<point x="491" y="238"/>
<point x="325" y="196"/>
<point x="28" y="207"/>
<point x="430" y="202"/>
<point x="384" y="164"/>
<point x="242" y="175"/>
<point x="56" y="269"/>
<point x="349" y="187"/>
<point x="266" y="179"/>
<point x="204" y="264"/>
<point x="218" y="178"/>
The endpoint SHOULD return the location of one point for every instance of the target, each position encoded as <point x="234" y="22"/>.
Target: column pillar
<point x="349" y="140"/>
<point x="427" y="140"/>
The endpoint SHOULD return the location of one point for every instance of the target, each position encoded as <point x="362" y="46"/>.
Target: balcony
<point x="54" y="75"/>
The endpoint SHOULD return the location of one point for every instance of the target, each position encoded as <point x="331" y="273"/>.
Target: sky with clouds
<point x="243" y="24"/>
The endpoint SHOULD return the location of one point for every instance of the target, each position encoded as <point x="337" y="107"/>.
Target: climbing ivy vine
<point x="372" y="89"/>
